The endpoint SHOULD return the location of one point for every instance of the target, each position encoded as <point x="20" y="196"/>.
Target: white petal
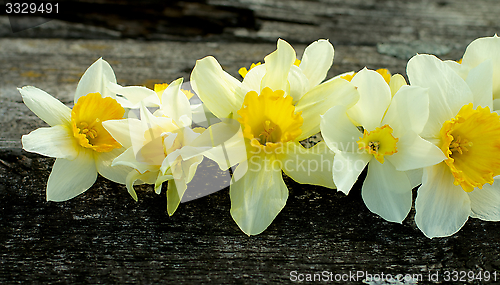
<point x="338" y="131"/>
<point x="317" y="60"/>
<point x="57" y="141"/>
<point x="448" y="92"/>
<point x="415" y="176"/>
<point x="46" y="107"/>
<point x="189" y="167"/>
<point x="222" y="142"/>
<point x="387" y="192"/>
<point x="96" y="79"/>
<point x="346" y="169"/>
<point x="252" y="80"/>
<point x="215" y="87"/>
<point x="135" y="94"/>
<point x="70" y="178"/>
<point x="258" y="197"/>
<point x="175" y="104"/>
<point x="397" y="81"/>
<point x="409" y="110"/>
<point x="125" y="131"/>
<point x="374" y="99"/>
<point x="278" y="65"/>
<point x="480" y="81"/>
<point x="117" y="173"/>
<point x="299" y="84"/>
<point x="483" y="49"/>
<point x="442" y="208"/>
<point x="414" y="152"/>
<point x="308" y="166"/>
<point x="496" y="104"/>
<point x="485" y="203"/>
<point x="129" y="159"/>
<point x="321" y="98"/>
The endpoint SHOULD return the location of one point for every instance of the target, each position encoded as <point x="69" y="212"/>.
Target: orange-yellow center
<point x="87" y="117"/>
<point x="379" y="142"/>
<point x="269" y="119"/>
<point x="471" y="142"/>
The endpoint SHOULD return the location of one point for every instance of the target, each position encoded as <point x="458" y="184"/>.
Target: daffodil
<point x="156" y="143"/>
<point x="277" y="105"/>
<point x="461" y="123"/>
<point x="486" y="51"/>
<point x="76" y="137"/>
<point x="383" y="132"/>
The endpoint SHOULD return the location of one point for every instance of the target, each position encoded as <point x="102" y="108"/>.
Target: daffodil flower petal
<point x="480" y="82"/>
<point x="96" y="79"/>
<point x="321" y="98"/>
<point x="374" y="98"/>
<point x="442" y="208"/>
<point x="258" y="197"/>
<point x="70" y="178"/>
<point x="104" y="161"/>
<point x="338" y="131"/>
<point x="278" y="65"/>
<point x="415" y="152"/>
<point x="409" y="111"/>
<point x="308" y="166"/>
<point x="496" y="104"/>
<point x="128" y="158"/>
<point x="46" y="107"/>
<point x="252" y="80"/>
<point x="176" y="104"/>
<point x="214" y="86"/>
<point x="387" y="192"/>
<point x="131" y="178"/>
<point x="134" y="95"/>
<point x="175" y="191"/>
<point x="483" y="49"/>
<point x="485" y="203"/>
<point x="415" y="176"/>
<point x="397" y="81"/>
<point x="316" y="61"/>
<point x="222" y="142"/>
<point x="299" y="84"/>
<point x="57" y="141"/>
<point x="124" y="131"/>
<point x="347" y="167"/>
<point x="448" y="92"/>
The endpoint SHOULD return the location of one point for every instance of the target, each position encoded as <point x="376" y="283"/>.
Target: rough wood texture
<point x="103" y="236"/>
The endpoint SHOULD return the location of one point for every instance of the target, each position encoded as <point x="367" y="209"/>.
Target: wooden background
<point x="103" y="236"/>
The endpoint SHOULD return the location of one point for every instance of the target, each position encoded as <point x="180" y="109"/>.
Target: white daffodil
<point x="277" y="105"/>
<point x="461" y="123"/>
<point x="478" y="52"/>
<point x="383" y="133"/>
<point x="156" y="144"/>
<point x="76" y="137"/>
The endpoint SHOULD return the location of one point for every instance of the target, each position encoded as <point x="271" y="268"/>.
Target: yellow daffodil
<point x="382" y="131"/>
<point x="156" y="144"/>
<point x="461" y="123"/>
<point x="277" y="105"/>
<point x="76" y="136"/>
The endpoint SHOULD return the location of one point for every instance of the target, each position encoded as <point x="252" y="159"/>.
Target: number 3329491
<point x="31" y="8"/>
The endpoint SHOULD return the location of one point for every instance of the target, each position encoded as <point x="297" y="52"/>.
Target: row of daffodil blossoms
<point x="440" y="131"/>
